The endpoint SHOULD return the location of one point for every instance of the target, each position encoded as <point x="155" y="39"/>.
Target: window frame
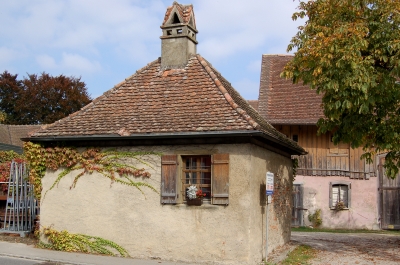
<point x="198" y="170"/>
<point x="339" y="183"/>
<point x="172" y="171"/>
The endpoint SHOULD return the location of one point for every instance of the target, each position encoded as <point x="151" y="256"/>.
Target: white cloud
<point x="7" y="55"/>
<point x="69" y="63"/>
<point x="235" y="26"/>
<point x="85" y="37"/>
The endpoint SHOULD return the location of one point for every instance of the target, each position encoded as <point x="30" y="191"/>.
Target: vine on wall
<point x="109" y="163"/>
<point x="295" y="166"/>
<point x="5" y="164"/>
<point x="65" y="241"/>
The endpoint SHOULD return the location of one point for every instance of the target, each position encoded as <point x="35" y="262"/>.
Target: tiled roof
<point x="253" y="103"/>
<point x="184" y="12"/>
<point x="281" y="101"/>
<point x="193" y="99"/>
<point x="12" y="134"/>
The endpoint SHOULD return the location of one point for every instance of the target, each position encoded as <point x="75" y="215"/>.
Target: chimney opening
<point x="179" y="31"/>
<point x="169" y="32"/>
<point x="176" y="19"/>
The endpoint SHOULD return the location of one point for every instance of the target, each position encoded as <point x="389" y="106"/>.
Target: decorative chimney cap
<point x="178" y="14"/>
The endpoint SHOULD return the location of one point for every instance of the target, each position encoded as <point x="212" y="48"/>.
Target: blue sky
<point x="103" y="42"/>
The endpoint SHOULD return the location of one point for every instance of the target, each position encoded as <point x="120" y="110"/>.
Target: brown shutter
<point x="220" y="179"/>
<point x="169" y="173"/>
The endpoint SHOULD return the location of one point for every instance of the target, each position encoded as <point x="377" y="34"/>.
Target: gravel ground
<point x="351" y="248"/>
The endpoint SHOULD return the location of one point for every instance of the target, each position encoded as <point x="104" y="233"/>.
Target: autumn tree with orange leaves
<point x="40" y="99"/>
<point x="349" y="51"/>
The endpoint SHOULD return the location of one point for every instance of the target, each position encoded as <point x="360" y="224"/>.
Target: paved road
<point x="21" y="261"/>
<point x="28" y="255"/>
<point x="347" y="248"/>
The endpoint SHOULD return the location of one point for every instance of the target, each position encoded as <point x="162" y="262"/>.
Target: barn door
<point x="389" y="192"/>
<point x="297" y="210"/>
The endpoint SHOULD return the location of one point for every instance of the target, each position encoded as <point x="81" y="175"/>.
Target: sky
<point x="103" y="42"/>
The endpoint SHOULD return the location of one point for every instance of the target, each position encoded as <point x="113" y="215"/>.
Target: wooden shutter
<point x="169" y="176"/>
<point x="220" y="179"/>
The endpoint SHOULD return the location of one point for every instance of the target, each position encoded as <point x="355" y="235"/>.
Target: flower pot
<point x="195" y="202"/>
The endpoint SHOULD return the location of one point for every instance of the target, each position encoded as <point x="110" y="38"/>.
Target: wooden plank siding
<point x="324" y="158"/>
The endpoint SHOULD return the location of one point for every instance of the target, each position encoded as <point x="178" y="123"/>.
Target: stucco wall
<point x="232" y="234"/>
<point x="363" y="212"/>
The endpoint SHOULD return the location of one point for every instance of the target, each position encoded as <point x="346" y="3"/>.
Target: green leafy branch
<point x="65" y="241"/>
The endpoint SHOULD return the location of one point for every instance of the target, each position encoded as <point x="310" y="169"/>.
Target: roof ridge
<point x="102" y="97"/>
<point x="226" y="94"/>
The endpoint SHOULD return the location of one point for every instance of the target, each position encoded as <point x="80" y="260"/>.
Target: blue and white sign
<point x="270" y="183"/>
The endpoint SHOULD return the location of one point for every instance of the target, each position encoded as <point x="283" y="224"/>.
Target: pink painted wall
<point x="363" y="212"/>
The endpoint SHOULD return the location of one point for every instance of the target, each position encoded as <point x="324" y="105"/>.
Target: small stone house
<point x="208" y="135"/>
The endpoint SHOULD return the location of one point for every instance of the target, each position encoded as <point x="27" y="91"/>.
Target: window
<point x="339" y="191"/>
<point x="210" y="173"/>
<point x="196" y="171"/>
<point x="295" y="137"/>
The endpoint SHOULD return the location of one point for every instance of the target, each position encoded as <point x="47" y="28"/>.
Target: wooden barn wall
<point x="324" y="158"/>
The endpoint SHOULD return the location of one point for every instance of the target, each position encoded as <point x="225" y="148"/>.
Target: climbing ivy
<point x="65" y="241"/>
<point x="109" y="163"/>
<point x="5" y="164"/>
<point x="295" y="166"/>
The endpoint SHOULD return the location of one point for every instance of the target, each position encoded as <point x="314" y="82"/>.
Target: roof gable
<point x="282" y="102"/>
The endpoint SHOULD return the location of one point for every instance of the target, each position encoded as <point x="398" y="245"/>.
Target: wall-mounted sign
<point x="270" y="183"/>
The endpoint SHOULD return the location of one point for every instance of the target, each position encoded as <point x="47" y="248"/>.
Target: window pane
<point x="206" y="178"/>
<point x="194" y="178"/>
<point x="335" y="195"/>
<point x="187" y="178"/>
<point x="343" y="194"/>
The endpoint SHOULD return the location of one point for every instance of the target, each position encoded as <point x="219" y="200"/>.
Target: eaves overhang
<point x="253" y="136"/>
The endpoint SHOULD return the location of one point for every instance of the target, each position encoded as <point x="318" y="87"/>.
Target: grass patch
<point x="308" y="229"/>
<point x="300" y="255"/>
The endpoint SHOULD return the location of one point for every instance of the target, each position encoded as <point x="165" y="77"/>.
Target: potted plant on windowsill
<point x="340" y="206"/>
<point x="194" y="196"/>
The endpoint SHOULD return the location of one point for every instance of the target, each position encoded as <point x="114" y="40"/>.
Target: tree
<point x="349" y="50"/>
<point x="40" y="99"/>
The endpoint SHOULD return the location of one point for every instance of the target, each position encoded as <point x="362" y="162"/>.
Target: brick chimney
<point x="178" y="41"/>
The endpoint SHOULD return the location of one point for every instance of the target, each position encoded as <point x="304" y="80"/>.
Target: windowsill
<point x="344" y="209"/>
<point x="203" y="206"/>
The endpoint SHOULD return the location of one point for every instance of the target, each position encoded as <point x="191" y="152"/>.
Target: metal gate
<point x="21" y="205"/>
<point x="297" y="210"/>
<point x="389" y="193"/>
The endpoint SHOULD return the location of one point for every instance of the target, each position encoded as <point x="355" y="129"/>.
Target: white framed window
<point x="340" y="193"/>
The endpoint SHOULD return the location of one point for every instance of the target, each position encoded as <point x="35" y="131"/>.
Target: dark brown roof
<point x="12" y="134"/>
<point x="194" y="99"/>
<point x="281" y="101"/>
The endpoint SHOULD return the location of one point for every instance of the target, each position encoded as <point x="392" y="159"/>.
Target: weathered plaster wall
<point x="279" y="211"/>
<point x="363" y="213"/>
<point x="232" y="234"/>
